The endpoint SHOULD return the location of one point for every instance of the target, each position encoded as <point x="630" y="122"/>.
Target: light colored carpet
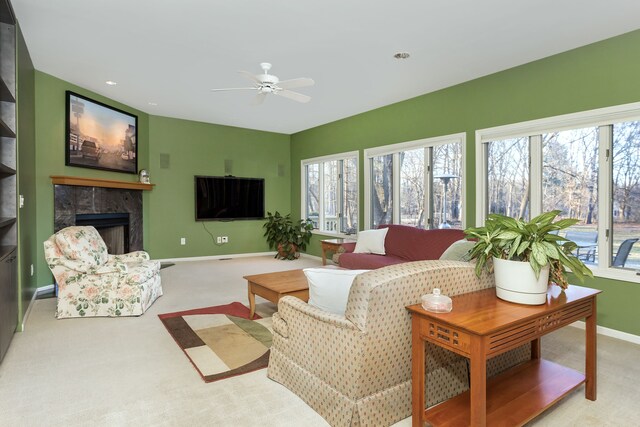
<point x="130" y="372"/>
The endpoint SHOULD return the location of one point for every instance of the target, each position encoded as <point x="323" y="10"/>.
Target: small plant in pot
<point x="526" y="256"/>
<point x="286" y="235"/>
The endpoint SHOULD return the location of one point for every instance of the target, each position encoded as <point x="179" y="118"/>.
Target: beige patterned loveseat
<point x="356" y="369"/>
<point x="93" y="283"/>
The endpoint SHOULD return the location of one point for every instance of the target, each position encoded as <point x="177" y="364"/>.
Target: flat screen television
<point x="226" y="198"/>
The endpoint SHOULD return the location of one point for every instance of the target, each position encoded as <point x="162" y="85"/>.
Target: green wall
<point x="50" y="155"/>
<point x="594" y="76"/>
<point x="168" y="210"/>
<point x="26" y="175"/>
<point x="195" y="148"/>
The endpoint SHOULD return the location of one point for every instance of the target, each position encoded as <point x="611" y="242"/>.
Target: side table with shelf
<point x="332" y="245"/>
<point x="482" y="326"/>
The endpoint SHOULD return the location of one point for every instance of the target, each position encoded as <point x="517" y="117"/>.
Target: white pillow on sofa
<point x="371" y="242"/>
<point x="329" y="288"/>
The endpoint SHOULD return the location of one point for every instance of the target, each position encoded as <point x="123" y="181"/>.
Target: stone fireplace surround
<point x="70" y="200"/>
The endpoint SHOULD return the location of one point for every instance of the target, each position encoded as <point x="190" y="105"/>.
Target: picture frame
<point x="99" y="136"/>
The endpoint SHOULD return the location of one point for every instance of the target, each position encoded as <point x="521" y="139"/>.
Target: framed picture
<point x="99" y="136"/>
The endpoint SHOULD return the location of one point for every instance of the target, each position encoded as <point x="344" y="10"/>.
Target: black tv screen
<point x="223" y="198"/>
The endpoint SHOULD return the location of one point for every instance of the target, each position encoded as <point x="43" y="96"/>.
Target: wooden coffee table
<point x="273" y="286"/>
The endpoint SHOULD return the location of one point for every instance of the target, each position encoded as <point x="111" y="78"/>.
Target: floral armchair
<point x="93" y="283"/>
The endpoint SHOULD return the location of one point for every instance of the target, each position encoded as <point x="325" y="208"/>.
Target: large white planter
<point x="516" y="282"/>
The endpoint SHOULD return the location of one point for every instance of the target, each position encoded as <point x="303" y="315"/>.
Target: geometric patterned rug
<point x="221" y="341"/>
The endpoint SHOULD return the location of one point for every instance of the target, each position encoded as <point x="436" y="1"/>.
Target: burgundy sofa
<point x="402" y="244"/>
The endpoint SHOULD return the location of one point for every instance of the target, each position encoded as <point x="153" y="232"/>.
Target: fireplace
<point x="115" y="212"/>
<point x="113" y="227"/>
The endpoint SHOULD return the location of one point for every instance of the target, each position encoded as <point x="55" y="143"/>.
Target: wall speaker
<point x="164" y="161"/>
<point x="228" y="166"/>
<point x="280" y="169"/>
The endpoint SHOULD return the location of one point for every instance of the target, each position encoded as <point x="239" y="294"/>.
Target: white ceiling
<point x="173" y="52"/>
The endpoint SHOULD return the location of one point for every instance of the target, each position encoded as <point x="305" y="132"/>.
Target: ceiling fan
<point x="266" y="83"/>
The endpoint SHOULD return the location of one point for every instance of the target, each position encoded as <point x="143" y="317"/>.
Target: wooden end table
<point x="332" y="245"/>
<point x="482" y="326"/>
<point x="273" y="286"/>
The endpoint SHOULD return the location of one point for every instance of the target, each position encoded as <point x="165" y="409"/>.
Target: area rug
<point x="221" y="341"/>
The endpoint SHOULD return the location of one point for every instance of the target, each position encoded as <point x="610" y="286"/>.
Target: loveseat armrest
<point x="291" y="307"/>
<point x="348" y="247"/>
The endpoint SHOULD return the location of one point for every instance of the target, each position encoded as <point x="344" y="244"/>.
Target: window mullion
<point x="428" y="188"/>
<point x="395" y="188"/>
<point x="535" y="175"/>
<point x="321" y="223"/>
<point x="605" y="195"/>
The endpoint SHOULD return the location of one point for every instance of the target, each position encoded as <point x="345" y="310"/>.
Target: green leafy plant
<point x="286" y="235"/>
<point x="536" y="242"/>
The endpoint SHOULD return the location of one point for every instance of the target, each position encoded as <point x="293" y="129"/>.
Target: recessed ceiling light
<point x="402" y="55"/>
<point x="111" y="83"/>
<point x="153" y="103"/>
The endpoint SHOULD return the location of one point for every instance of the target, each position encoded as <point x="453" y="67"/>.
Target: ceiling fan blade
<point x="250" y="76"/>
<point x="234" y="88"/>
<point x="259" y="99"/>
<point x="295" y="83"/>
<point x="293" y="95"/>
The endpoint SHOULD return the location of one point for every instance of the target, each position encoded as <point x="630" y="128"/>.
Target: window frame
<point x="395" y="149"/>
<point x="304" y="188"/>
<point x="604" y="119"/>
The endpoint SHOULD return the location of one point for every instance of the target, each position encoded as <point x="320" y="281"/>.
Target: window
<point x="330" y="192"/>
<point x="587" y="165"/>
<point x="417" y="183"/>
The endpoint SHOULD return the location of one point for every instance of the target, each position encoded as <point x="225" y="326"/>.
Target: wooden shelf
<point x="513" y="397"/>
<point x="6" y="250"/>
<point x="6" y="131"/>
<point x="6" y="170"/>
<point x="95" y="182"/>
<point x="4" y="221"/>
<point x="5" y="93"/>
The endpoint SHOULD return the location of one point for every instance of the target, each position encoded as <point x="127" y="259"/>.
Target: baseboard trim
<point x="613" y="333"/>
<point x="215" y="257"/>
<point x="228" y="256"/>
<point x="40" y="290"/>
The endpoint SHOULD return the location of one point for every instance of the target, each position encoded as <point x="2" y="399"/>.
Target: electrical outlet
<point x="225" y="239"/>
<point x="32" y="269"/>
<point x="219" y="239"/>
<point x="183" y="240"/>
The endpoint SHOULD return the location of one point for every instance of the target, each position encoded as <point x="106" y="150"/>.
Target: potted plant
<point x="526" y="256"/>
<point x="286" y="235"/>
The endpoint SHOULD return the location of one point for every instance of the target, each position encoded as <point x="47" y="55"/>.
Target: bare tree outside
<point x="313" y="187"/>
<point x="626" y="190"/>
<point x="412" y="187"/>
<point x="350" y="198"/>
<point x="381" y="190"/>
<point x="508" y="177"/>
<point x="445" y="209"/>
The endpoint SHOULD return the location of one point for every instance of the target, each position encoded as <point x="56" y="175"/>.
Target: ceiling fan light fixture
<point x="402" y="55"/>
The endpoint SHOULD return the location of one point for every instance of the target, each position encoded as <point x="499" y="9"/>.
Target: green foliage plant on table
<point x="536" y="242"/>
<point x="286" y="235"/>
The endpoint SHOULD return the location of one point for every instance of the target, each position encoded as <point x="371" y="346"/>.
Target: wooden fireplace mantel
<point x="96" y="182"/>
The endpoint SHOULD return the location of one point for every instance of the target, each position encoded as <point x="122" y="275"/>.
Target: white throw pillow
<point x="371" y="241"/>
<point x="458" y="251"/>
<point x="329" y="288"/>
